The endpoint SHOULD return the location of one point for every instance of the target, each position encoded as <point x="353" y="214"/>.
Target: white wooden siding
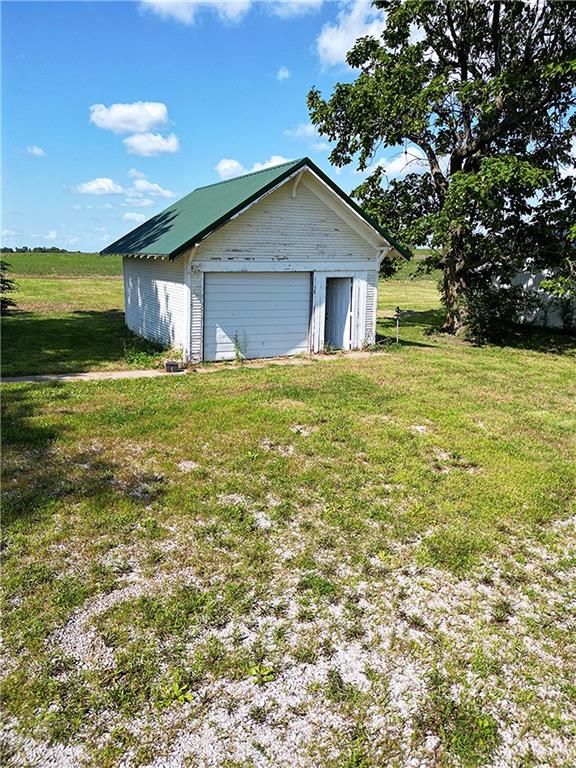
<point x="196" y="283"/>
<point x="155" y="299"/>
<point x="256" y="314"/>
<point x="549" y="313"/>
<point x="295" y="229"/>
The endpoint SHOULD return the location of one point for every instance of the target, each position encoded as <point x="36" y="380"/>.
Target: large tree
<point x="481" y="98"/>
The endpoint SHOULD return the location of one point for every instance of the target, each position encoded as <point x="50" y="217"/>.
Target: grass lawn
<point x="70" y="320"/>
<point x="350" y="563"/>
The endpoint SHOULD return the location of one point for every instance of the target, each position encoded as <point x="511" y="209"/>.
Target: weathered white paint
<point x="549" y="314"/>
<point x="256" y="314"/>
<point x="196" y="337"/>
<point x="338" y="322"/>
<point x="371" y="306"/>
<point x="359" y="312"/>
<point x="301" y="226"/>
<point x="155" y="300"/>
<point x="300" y="229"/>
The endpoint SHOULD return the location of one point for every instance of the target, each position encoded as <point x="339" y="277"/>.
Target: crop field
<point x="354" y="562"/>
<point x="62" y="264"/>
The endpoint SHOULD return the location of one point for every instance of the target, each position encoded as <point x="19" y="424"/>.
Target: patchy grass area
<point x="62" y="264"/>
<point x="357" y="562"/>
<point x="71" y="324"/>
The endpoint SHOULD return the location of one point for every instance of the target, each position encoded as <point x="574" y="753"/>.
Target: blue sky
<point x="112" y="110"/>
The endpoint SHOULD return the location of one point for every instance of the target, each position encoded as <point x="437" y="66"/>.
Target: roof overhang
<point x="364" y="223"/>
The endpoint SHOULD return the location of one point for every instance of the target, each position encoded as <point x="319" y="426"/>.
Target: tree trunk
<point x="453" y="288"/>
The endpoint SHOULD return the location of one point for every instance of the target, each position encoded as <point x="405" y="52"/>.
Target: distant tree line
<point x="39" y="249"/>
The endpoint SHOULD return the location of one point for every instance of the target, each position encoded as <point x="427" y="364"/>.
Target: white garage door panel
<point x="259" y="314"/>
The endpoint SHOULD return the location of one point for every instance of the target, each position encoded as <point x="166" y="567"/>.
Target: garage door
<point x="255" y="314"/>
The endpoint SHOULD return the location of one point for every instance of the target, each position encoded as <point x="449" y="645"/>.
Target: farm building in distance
<point x="276" y="262"/>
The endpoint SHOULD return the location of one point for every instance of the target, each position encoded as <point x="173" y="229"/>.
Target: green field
<point x="63" y="264"/>
<point x="361" y="561"/>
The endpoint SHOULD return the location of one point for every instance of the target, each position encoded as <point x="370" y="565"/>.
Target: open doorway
<point x="338" y="320"/>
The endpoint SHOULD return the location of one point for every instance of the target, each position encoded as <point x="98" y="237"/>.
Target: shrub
<point x="491" y="310"/>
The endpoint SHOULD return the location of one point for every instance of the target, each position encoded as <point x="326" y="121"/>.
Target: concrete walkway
<point x="88" y="376"/>
<point x="153" y="373"/>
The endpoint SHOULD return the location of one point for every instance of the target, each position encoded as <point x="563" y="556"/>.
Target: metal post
<point x="397" y="324"/>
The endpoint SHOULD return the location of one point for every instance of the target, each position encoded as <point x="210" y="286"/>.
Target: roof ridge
<point x="252" y="173"/>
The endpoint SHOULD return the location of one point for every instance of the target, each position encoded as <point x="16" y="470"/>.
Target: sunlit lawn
<point x="351" y="562"/>
<point x="70" y="324"/>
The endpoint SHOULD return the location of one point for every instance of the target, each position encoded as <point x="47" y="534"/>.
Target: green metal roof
<point x="189" y="220"/>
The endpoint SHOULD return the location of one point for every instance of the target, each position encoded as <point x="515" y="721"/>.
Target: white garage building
<point x="276" y="262"/>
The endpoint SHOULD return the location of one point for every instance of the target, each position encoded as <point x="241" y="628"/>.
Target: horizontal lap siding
<point x="196" y="283"/>
<point x="281" y="227"/>
<point x="155" y="298"/>
<point x="256" y="314"/>
<point x="371" y="302"/>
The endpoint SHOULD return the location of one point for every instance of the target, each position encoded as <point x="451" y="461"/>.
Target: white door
<point x="338" y="322"/>
<point x="255" y="314"/>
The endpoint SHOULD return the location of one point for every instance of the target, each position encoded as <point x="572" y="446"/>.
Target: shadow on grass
<point x="75" y="342"/>
<point x="526" y="337"/>
<point x="37" y="472"/>
<point x="535" y="339"/>
<point x="428" y="321"/>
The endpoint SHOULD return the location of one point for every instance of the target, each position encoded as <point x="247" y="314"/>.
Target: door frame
<point x="358" y="308"/>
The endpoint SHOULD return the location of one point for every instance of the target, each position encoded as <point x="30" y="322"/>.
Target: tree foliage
<point x="482" y="96"/>
<point x="7" y="286"/>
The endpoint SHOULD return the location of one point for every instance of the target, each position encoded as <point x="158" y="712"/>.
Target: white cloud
<point x="308" y="133"/>
<point x="356" y="19"/>
<point x="274" y="160"/>
<point x="230" y="11"/>
<point x="138" y="117"/>
<point x="135" y="174"/>
<point x="100" y="186"/>
<point x="287" y="8"/>
<point x="35" y="151"/>
<point x="143" y="187"/>
<point x="51" y="235"/>
<point x="184" y="11"/>
<point x="303" y="131"/>
<point x="138" y="202"/>
<point x="137" y="217"/>
<point x="149" y="144"/>
<point x="10" y="233"/>
<point x="228" y="168"/>
<point x="283" y="74"/>
<point x="150" y="188"/>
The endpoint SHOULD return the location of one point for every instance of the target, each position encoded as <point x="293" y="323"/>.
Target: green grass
<point x="62" y="264"/>
<point x="401" y="521"/>
<point x="69" y="325"/>
<point x="422" y="504"/>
